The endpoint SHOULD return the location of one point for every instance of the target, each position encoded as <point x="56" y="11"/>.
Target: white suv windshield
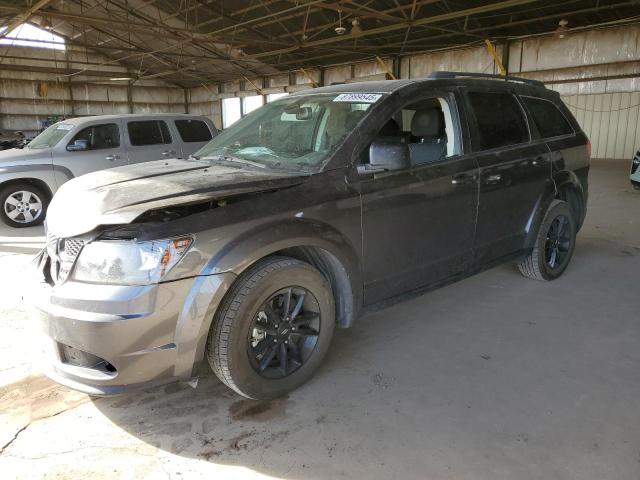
<point x="50" y="137"/>
<point x="294" y="133"/>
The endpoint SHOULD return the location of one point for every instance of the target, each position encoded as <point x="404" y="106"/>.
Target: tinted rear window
<point x="547" y="117"/>
<point x="193" y="131"/>
<point x="149" y="132"/>
<point x="500" y="120"/>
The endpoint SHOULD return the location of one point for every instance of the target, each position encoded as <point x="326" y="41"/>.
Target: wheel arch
<point x="313" y="242"/>
<point x="316" y="243"/>
<point x="36" y="182"/>
<point x="565" y="186"/>
<point x="569" y="189"/>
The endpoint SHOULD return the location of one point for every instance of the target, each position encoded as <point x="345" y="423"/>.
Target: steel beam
<point x="399" y="26"/>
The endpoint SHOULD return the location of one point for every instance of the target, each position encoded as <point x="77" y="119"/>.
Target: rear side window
<point x="547" y="117"/>
<point x="99" y="137"/>
<point x="149" y="132"/>
<point x="500" y="120"/>
<point x="193" y="131"/>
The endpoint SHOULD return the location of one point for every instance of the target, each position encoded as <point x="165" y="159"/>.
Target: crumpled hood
<point x="20" y="156"/>
<point x="120" y="195"/>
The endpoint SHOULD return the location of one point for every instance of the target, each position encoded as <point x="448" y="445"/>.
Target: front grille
<point x="62" y="253"/>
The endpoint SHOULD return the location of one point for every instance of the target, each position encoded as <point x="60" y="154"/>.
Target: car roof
<point x="389" y="86"/>
<point x="91" y="118"/>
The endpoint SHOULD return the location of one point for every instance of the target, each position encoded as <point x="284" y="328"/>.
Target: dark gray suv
<point x="291" y="221"/>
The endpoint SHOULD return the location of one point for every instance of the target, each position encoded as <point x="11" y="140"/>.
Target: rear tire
<point x="257" y="349"/>
<point x="554" y="244"/>
<point x="23" y="205"/>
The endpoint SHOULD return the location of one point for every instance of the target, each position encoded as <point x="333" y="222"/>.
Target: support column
<point x="505" y="56"/>
<point x="130" y="95"/>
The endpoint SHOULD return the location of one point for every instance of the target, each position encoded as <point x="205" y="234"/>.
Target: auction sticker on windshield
<point x="358" y="97"/>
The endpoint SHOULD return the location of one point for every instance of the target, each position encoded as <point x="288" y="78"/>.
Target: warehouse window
<point x="230" y="111"/>
<point x="27" y="35"/>
<point x="152" y="132"/>
<point x="547" y="117"/>
<point x="249" y="104"/>
<point x="275" y="96"/>
<point x="193" y="131"/>
<point x="500" y="120"/>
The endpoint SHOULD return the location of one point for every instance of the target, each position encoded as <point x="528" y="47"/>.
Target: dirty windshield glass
<point x="50" y="137"/>
<point x="295" y="133"/>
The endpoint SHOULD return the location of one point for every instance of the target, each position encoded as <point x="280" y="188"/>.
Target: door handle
<point x="495" y="178"/>
<point x="168" y="152"/>
<point x="463" y="179"/>
<point x="111" y="158"/>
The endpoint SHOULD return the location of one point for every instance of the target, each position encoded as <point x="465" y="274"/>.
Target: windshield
<point x="50" y="137"/>
<point x="294" y="133"/>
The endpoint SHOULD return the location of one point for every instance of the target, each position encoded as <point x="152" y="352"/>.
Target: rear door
<point x="104" y="148"/>
<point x="194" y="134"/>
<point x="150" y="139"/>
<point x="515" y="172"/>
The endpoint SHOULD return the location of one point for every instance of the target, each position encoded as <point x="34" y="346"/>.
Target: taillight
<point x="589" y="147"/>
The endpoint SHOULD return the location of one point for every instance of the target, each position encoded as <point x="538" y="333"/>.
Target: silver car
<point x="29" y="177"/>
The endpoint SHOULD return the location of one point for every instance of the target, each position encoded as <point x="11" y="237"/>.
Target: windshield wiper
<point x="227" y="158"/>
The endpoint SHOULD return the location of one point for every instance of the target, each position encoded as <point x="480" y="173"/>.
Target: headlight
<point x="129" y="263"/>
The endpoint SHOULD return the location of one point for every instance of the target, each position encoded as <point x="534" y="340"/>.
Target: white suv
<point x="29" y="177"/>
<point x="635" y="171"/>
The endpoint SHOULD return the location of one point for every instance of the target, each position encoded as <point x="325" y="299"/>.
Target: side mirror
<point x="386" y="157"/>
<point x="78" y="146"/>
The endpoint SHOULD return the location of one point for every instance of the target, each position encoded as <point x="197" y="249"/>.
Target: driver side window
<point x="426" y="127"/>
<point x="98" y="137"/>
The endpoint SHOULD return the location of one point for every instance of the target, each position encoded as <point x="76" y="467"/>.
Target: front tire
<point x="23" y="205"/>
<point x="554" y="244"/>
<point x="273" y="328"/>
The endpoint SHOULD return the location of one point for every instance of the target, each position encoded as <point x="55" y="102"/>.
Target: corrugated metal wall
<point x="23" y="106"/>
<point x="611" y="120"/>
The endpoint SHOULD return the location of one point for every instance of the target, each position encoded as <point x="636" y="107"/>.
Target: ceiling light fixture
<point x="46" y="23"/>
<point x="340" y="30"/>
<point x="121" y="79"/>
<point x="562" y="31"/>
<point x="356" y="29"/>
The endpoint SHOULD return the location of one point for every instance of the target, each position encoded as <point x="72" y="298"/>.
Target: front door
<point x="418" y="224"/>
<point x="94" y="147"/>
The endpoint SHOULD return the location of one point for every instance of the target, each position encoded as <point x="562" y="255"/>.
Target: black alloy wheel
<point x="559" y="242"/>
<point x="553" y="246"/>
<point x="273" y="329"/>
<point x="284" y="332"/>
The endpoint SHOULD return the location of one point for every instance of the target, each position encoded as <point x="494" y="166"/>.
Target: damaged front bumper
<point x="108" y="339"/>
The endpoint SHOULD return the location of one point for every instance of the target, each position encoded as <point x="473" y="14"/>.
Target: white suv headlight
<point x="129" y="263"/>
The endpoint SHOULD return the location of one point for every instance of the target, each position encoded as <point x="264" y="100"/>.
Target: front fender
<point x="44" y="173"/>
<point x="266" y="239"/>
<point x="235" y="257"/>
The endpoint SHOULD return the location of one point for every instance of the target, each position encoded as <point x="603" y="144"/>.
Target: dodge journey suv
<point x="29" y="177"/>
<point x="287" y="224"/>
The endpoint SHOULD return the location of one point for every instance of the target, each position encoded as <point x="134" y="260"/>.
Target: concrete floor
<point x="496" y="377"/>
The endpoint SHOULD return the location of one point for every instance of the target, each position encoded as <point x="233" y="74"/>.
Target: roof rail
<point x="508" y="78"/>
